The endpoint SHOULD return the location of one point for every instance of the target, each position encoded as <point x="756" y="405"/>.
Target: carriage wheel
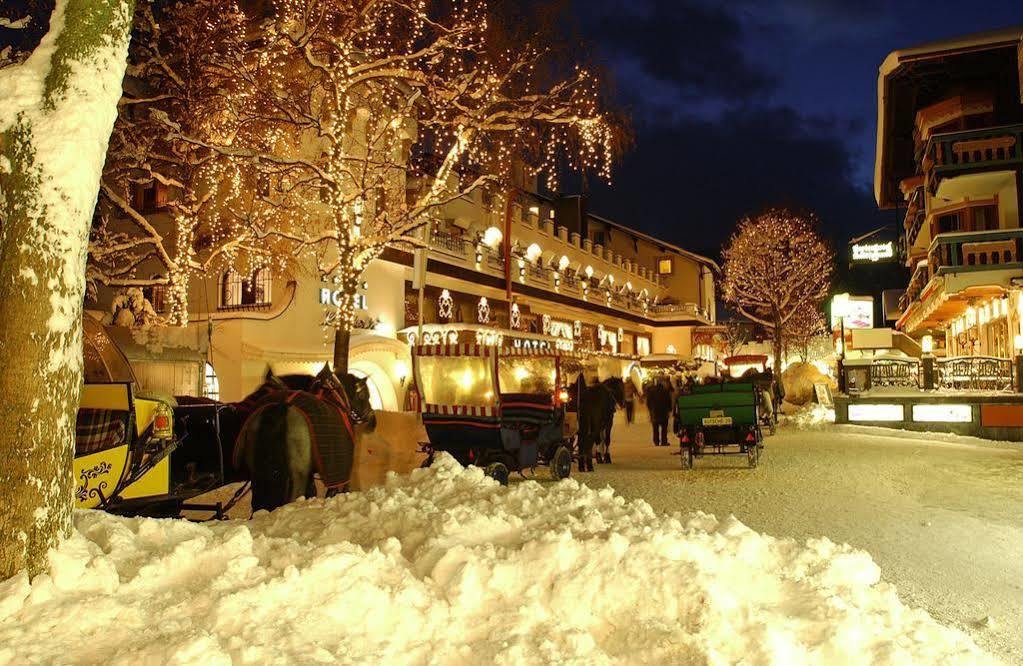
<point x="753" y="455"/>
<point x="561" y="463"/>
<point x="498" y="472"/>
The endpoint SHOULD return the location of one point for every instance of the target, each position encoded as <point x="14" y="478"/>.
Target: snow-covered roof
<point x="675" y="248"/>
<point x="981" y="41"/>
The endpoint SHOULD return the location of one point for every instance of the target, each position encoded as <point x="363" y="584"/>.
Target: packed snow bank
<point x="813" y="416"/>
<point x="445" y="566"/>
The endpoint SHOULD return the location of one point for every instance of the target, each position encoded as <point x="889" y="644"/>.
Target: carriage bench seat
<point x="527" y="408"/>
<point x="100" y="429"/>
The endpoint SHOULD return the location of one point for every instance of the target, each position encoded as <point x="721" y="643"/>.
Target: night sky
<point x="744" y="104"/>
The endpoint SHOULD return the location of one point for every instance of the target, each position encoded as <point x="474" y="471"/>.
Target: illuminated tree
<point x="58" y="107"/>
<point x="375" y="114"/>
<point x="164" y="200"/>
<point x="775" y="265"/>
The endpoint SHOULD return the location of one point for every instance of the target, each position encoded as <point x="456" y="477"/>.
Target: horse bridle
<point x="355" y="417"/>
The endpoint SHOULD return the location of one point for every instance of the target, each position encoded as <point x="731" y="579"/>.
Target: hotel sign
<point x="873" y="253"/>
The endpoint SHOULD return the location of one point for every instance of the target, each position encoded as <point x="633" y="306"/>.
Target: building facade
<point x="950" y="136"/>
<point x="563" y="277"/>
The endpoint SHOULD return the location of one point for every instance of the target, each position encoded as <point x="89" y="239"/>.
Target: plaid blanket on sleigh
<point x="100" y="429"/>
<point x="330" y="429"/>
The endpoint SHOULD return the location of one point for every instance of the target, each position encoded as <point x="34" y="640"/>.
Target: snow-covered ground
<point x="941" y="514"/>
<point x="446" y="567"/>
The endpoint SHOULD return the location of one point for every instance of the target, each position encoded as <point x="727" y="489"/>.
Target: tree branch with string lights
<point x="378" y="114"/>
<point x="776" y="265"/>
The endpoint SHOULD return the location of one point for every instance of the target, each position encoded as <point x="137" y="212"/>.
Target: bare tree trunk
<point x="342" y="342"/>
<point x="778" y="343"/>
<point x="50" y="148"/>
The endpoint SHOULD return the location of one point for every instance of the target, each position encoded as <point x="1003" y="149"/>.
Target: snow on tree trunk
<point x="55" y="121"/>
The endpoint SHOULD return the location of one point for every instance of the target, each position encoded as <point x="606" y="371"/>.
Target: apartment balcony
<point x="915" y="216"/>
<point x="976" y="251"/>
<point x="957" y="153"/>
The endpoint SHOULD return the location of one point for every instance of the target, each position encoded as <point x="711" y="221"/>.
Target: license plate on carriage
<point x="717" y="420"/>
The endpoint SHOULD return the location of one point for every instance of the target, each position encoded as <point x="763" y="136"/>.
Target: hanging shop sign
<point x="873" y="253"/>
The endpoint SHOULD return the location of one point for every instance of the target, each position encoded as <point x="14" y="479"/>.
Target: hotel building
<point x="950" y="129"/>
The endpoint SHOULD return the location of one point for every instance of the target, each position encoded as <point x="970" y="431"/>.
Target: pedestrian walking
<point x="659" y="403"/>
<point x="630" y="400"/>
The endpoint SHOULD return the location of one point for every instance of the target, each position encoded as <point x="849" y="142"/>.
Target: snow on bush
<point x="445" y="566"/>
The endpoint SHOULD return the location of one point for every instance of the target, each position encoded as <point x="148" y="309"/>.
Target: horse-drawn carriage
<point x="720" y="419"/>
<point x="129" y="454"/>
<point x="502" y="409"/>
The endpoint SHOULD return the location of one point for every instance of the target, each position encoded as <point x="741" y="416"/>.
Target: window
<point x="150" y="197"/>
<point x="665" y="266"/>
<point x="157" y="297"/>
<point x="236" y="291"/>
<point x="210" y="383"/>
<point x="985" y="218"/>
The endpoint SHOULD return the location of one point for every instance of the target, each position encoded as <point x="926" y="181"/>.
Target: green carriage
<point x="719" y="419"/>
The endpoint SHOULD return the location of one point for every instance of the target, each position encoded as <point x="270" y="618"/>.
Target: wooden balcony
<point x="976" y="251"/>
<point x="921" y="276"/>
<point x="957" y="153"/>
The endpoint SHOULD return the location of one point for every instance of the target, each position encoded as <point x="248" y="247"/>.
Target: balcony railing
<point x="976" y="251"/>
<point x="449" y="243"/>
<point x="953" y="153"/>
<point x="917" y="283"/>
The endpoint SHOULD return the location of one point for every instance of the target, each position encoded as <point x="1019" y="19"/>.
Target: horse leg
<point x="266" y="457"/>
<point x="300" y="458"/>
<point x="606" y="436"/>
<point x="585" y="451"/>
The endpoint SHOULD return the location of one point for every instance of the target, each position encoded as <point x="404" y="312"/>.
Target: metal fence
<point x="960" y="373"/>
<point x="974" y="373"/>
<point x="895" y="373"/>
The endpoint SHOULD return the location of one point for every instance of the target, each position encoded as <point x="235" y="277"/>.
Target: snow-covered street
<point x="446" y="567"/>
<point x="942" y="516"/>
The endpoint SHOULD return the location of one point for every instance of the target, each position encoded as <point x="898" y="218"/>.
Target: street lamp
<point x="840" y="309"/>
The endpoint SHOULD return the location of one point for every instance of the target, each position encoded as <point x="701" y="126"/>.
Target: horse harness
<point x="328" y="414"/>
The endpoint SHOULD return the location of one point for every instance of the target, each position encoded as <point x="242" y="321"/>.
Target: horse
<point x="597" y="404"/>
<point x="275" y="443"/>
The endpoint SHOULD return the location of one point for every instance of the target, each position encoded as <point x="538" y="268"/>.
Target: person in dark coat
<point x="658" y="402"/>
<point x="778" y="391"/>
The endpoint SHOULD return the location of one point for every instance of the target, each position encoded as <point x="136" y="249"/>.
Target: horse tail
<point x="268" y="459"/>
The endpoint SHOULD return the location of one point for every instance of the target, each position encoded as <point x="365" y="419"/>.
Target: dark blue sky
<point x="748" y="103"/>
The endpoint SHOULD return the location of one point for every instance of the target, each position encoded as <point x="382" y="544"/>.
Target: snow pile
<point x="445" y="566"/>
<point x="808" y="417"/>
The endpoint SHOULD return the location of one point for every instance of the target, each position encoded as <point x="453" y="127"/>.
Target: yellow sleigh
<point x="123" y="441"/>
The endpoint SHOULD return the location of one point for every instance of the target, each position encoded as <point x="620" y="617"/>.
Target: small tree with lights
<point x="775" y="266"/>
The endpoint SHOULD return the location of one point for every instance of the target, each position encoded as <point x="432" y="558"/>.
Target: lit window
<point x="210" y="383"/>
<point x="665" y="266"/>
<point x="236" y="291"/>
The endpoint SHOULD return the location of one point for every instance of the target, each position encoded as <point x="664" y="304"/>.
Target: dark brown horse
<point x="597" y="405"/>
<point x="275" y="447"/>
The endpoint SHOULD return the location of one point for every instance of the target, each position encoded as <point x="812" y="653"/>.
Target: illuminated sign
<point x="874" y="412"/>
<point x="333" y="297"/>
<point x="855" y="311"/>
<point x="943" y="413"/>
<point x="873" y="253"/>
